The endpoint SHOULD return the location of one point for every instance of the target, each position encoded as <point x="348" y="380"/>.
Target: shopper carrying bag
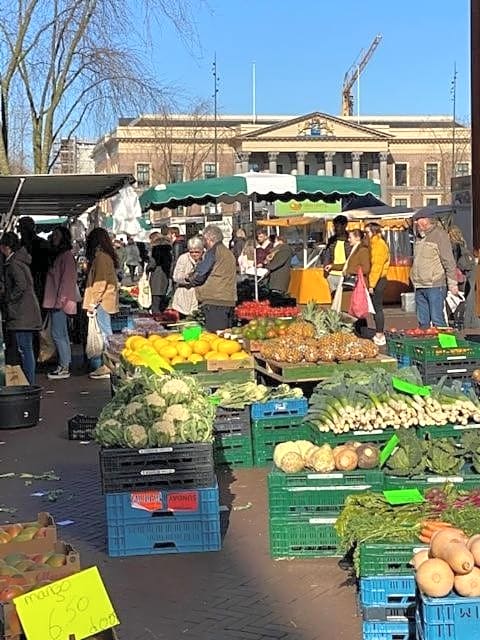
<point x="360" y="303"/>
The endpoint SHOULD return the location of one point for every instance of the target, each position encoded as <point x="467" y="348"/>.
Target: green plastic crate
<point x="433" y="352"/>
<point x="233" y="451"/>
<point x="466" y="479"/>
<point x="404" y="345"/>
<point x="266" y="434"/>
<point x="303" y="538"/>
<point x="387" y="558"/>
<point x="308" y="494"/>
<point x="446" y="431"/>
<point x="377" y="436"/>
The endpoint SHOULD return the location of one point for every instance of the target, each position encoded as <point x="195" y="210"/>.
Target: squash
<point x="468" y="585"/>
<point x="435" y="578"/>
<point x="443" y="537"/>
<point x="472" y="540"/>
<point x="458" y="557"/>
<point x="346" y="458"/>
<point x="474" y="548"/>
<point x="419" y="558"/>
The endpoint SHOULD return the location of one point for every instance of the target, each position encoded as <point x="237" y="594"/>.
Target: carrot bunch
<point x="429" y="527"/>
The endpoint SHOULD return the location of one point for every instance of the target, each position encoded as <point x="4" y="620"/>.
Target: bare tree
<point x="72" y="63"/>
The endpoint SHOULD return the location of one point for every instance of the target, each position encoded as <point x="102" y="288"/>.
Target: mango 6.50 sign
<point x="76" y="606"/>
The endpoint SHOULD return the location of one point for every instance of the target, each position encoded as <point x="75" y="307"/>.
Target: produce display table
<point x="310" y="372"/>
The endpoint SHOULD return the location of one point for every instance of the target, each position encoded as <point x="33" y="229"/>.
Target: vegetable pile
<point x="238" y="396"/>
<point x="415" y="456"/>
<point x="367" y="401"/>
<point x="156" y="411"/>
<point x="452" y="561"/>
<point x="293" y="457"/>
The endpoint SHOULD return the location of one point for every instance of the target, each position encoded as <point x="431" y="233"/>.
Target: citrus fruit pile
<point x="175" y="350"/>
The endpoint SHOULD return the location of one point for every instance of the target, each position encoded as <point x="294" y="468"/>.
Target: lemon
<point x="168" y="352"/>
<point x="178" y="360"/>
<point x="239" y="355"/>
<point x="184" y="349"/>
<point x="174" y="337"/>
<point x="195" y="358"/>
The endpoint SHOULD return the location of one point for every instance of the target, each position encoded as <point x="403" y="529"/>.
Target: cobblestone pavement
<point x="238" y="593"/>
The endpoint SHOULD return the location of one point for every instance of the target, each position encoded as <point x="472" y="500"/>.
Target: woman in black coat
<point x="159" y="268"/>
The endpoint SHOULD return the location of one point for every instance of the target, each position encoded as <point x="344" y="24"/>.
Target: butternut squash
<point x="435" y="578"/>
<point x="474" y="548"/>
<point x="419" y="558"/>
<point x="443" y="537"/>
<point x="472" y="540"/>
<point x="468" y="585"/>
<point x="458" y="557"/>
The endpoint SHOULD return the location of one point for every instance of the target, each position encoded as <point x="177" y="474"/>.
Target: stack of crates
<point x="277" y="421"/>
<point x="387" y="591"/>
<point x="435" y="362"/>
<point x="161" y="500"/>
<point x="232" y="446"/>
<point x="451" y="618"/>
<point x="303" y="509"/>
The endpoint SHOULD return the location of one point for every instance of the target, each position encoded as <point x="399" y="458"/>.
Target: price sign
<point x="78" y="605"/>
<point x="447" y="341"/>
<point x="388" y="449"/>
<point x="408" y="387"/>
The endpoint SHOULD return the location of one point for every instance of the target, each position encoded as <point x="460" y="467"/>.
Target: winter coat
<point x="215" y="278"/>
<point x="359" y="257"/>
<point x="20" y="304"/>
<point x="38" y="248"/>
<point x="279" y="268"/>
<point x="132" y="255"/>
<point x="61" y="284"/>
<point x="184" y="299"/>
<point x="102" y="283"/>
<point x="379" y="259"/>
<point x="179" y="247"/>
<point x="159" y="268"/>
<point x="433" y="261"/>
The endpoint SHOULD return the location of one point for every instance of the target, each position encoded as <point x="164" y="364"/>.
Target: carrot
<point x="436" y="524"/>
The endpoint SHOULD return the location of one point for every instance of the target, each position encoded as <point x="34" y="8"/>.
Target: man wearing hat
<point x="433" y="269"/>
<point x="336" y="252"/>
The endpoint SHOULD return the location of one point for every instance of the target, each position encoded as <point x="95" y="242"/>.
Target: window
<point x="334" y="170"/>
<point x="364" y="169"/>
<point x="253" y="166"/>
<point x="143" y="174"/>
<point x="209" y="170"/>
<point x="462" y="169"/>
<point x="432" y="201"/>
<point x="279" y="168"/>
<point x="431" y="174"/>
<point x="307" y="169"/>
<point x="400" y="202"/>
<point x="401" y="174"/>
<point x="176" y="173"/>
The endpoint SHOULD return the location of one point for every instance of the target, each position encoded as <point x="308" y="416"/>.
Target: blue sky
<point x="302" y="50"/>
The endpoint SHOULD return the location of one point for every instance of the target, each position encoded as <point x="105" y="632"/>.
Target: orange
<point x="239" y="355"/>
<point x="195" y="357"/>
<point x="229" y="347"/>
<point x="201" y="347"/>
<point x="184" y="349"/>
<point x="177" y="360"/>
<point x="169" y="351"/>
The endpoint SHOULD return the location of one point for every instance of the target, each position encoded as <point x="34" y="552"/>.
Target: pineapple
<point x="300" y="329"/>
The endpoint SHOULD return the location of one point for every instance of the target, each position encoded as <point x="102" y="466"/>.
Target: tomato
<point x="9" y="593"/>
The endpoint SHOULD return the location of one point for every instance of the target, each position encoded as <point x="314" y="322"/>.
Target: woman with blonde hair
<point x="184" y="299"/>
<point x="246" y="259"/>
<point x="377" y="279"/>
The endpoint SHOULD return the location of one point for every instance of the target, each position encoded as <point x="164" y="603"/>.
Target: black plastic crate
<point x="232" y="422"/>
<point x="431" y="372"/>
<point x="178" y="466"/>
<point x="81" y="427"/>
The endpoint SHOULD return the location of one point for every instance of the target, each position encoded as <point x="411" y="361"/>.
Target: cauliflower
<point x="176" y="390"/>
<point x="161" y="433"/>
<point x="132" y="408"/>
<point x="155" y="401"/>
<point x="135" y="436"/>
<point x="177" y="412"/>
<point x="109" y="432"/>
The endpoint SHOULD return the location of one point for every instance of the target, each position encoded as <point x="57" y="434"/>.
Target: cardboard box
<point x="10" y="627"/>
<point x="14" y="376"/>
<point x="44" y="541"/>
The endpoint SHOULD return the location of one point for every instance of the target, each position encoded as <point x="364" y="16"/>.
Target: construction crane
<point x="353" y="75"/>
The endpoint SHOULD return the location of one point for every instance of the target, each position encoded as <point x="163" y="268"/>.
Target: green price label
<point x="403" y="496"/>
<point x="447" y="340"/>
<point x="388" y="449"/>
<point x="408" y="387"/>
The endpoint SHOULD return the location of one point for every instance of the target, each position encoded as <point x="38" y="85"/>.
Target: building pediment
<point x="316" y="126"/>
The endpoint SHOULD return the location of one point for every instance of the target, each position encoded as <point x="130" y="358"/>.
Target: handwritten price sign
<point x="78" y="605"/>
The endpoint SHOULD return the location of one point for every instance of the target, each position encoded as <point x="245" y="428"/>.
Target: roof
<point x="59" y="195"/>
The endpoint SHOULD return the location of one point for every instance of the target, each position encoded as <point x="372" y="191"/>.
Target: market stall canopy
<point x="263" y="186"/>
<point x="58" y="195"/>
<point x="298" y="221"/>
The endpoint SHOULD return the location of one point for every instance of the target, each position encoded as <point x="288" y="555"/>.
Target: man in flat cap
<point x="433" y="270"/>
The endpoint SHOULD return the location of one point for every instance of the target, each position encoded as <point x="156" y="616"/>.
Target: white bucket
<point x="408" y="302"/>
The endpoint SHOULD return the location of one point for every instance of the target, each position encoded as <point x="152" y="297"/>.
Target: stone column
<point x="301" y="155"/>
<point x="383" y="157"/>
<point x="238" y="164"/>
<point x="356" y="155"/>
<point x="244" y="157"/>
<point x="272" y="161"/>
<point x="329" y="162"/>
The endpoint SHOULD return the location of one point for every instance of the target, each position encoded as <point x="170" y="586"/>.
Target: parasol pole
<point x="252" y="218"/>
<point x="305" y="241"/>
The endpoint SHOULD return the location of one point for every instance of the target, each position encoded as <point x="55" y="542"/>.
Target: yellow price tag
<point x="76" y="606"/>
